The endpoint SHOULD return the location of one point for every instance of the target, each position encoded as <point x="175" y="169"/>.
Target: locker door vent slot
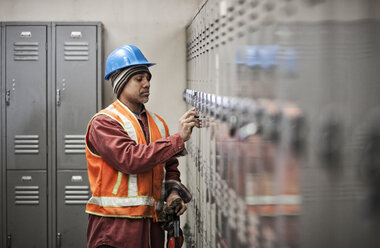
<point x="27" y="195"/>
<point x="75" y="144"/>
<point x="76" y="195"/>
<point x="26" y="144"/>
<point x="25" y="51"/>
<point x="76" y="51"/>
<point x="349" y="48"/>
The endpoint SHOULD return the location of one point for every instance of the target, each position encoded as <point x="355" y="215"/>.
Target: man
<point x="128" y="152"/>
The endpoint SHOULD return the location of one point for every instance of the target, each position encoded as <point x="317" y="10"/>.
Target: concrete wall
<point x="156" y="27"/>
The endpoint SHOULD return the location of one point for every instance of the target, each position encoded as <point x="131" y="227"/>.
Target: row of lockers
<point x="50" y="88"/>
<point x="288" y="95"/>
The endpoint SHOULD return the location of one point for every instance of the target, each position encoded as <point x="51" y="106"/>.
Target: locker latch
<point x="330" y="142"/>
<point x="8" y="97"/>
<point x="59" y="237"/>
<point x="370" y="159"/>
<point x="9" y="240"/>
<point x="58" y="97"/>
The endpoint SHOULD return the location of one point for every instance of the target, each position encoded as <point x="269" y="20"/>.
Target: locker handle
<point x="58" y="97"/>
<point x="9" y="240"/>
<point x="8" y="97"/>
<point x="59" y="237"/>
<point x="370" y="157"/>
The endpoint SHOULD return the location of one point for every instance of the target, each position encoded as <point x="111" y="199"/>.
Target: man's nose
<point x="146" y="83"/>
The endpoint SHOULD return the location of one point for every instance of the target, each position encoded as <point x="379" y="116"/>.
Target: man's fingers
<point x="177" y="208"/>
<point x="189" y="113"/>
<point x="183" y="209"/>
<point x="198" y="124"/>
<point x="191" y="119"/>
<point x="190" y="125"/>
<point x="187" y="122"/>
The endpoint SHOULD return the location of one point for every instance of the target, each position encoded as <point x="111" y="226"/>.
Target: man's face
<point x="136" y="90"/>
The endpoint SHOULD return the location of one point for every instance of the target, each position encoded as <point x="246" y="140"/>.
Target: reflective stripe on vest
<point x="122" y="201"/>
<point x="132" y="178"/>
<point x="125" y="201"/>
<point x="159" y="124"/>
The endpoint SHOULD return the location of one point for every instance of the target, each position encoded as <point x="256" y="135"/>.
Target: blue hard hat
<point x="124" y="56"/>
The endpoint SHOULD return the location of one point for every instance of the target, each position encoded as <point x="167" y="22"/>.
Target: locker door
<point x="73" y="193"/>
<point x="26" y="209"/>
<point x="25" y="76"/>
<point x="76" y="84"/>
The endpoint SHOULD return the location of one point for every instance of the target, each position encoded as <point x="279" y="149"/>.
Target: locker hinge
<point x="46" y="46"/>
<point x="59" y="236"/>
<point x="9" y="240"/>
<point x="8" y="97"/>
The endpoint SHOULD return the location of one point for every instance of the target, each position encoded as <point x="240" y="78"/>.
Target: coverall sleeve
<point x="172" y="172"/>
<point x="108" y="139"/>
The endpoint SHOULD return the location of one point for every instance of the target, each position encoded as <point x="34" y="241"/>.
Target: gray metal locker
<point x="72" y="195"/>
<point x="25" y="96"/>
<point x="47" y="70"/>
<point x="76" y="91"/>
<point x="26" y="208"/>
<point x="78" y="96"/>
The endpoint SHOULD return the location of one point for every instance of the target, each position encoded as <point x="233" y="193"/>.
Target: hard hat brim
<point x="106" y="77"/>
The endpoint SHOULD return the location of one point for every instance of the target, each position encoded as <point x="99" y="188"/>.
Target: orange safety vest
<point x="115" y="194"/>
